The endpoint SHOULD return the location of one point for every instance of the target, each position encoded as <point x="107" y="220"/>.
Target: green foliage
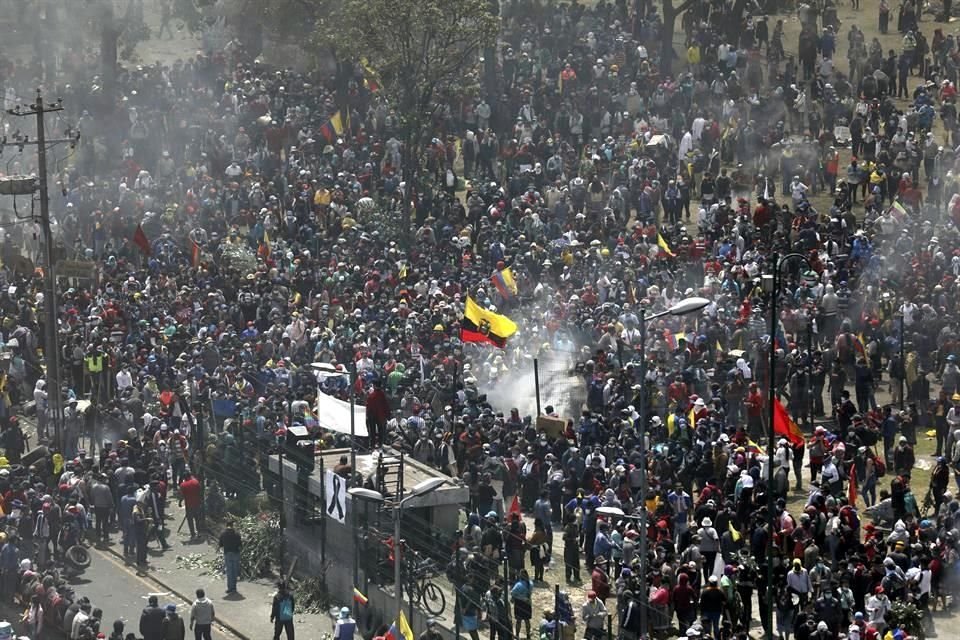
<point x="311" y="593"/>
<point x="260" y="554"/>
<point x="422" y="49"/>
<point x="908" y="616"/>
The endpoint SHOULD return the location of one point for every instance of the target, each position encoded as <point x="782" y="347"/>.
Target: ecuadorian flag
<point x="481" y="325"/>
<point x="504" y="283"/>
<point x="400" y="630"/>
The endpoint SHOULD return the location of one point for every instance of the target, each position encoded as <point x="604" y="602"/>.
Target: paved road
<point x="122" y="594"/>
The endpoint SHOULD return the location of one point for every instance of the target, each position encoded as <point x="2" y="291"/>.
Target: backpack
<point x="880" y="466"/>
<point x="285" y="612"/>
<point x="816" y="449"/>
<point x="850" y="518"/>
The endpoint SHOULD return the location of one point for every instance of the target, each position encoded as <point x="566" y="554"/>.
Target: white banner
<point x="333" y="414"/>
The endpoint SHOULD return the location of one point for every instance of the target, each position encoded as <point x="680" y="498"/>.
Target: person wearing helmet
<point x="344" y="626"/>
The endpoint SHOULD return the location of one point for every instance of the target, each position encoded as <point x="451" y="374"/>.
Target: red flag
<point x="140" y="239"/>
<point x="515" y="508"/>
<point x="852" y="489"/>
<point x="784" y="426"/>
<point x="194" y="254"/>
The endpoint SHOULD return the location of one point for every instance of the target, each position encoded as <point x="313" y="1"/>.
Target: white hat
<point x="706" y="522"/>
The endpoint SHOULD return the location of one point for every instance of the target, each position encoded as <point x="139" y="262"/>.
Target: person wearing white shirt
<point x="877" y="607"/>
<point x="798" y="580"/>
<point x="907" y="309"/>
<point x="797" y="190"/>
<point x="686" y="145"/>
<point x="124" y="379"/>
<point x="699" y="123"/>
<point x="40" y="400"/>
<point x="783" y="454"/>
<point x="830" y="475"/>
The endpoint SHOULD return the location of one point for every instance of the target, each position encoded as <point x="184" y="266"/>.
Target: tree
<point x="424" y="52"/>
<point x="670" y="14"/>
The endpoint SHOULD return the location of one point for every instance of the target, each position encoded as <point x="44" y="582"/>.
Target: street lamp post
<point x="420" y="489"/>
<point x="682" y="308"/>
<point x="771" y="285"/>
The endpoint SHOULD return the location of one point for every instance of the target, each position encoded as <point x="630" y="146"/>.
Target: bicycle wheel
<point x="412" y="590"/>
<point x="433" y="599"/>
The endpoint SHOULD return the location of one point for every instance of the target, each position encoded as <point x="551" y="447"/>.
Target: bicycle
<point x="420" y="587"/>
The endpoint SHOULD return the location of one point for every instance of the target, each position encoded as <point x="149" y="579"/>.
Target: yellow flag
<point x="405" y="629"/>
<point x="692" y="418"/>
<point x="733" y="531"/>
<point x="339" y="122"/>
<point x="662" y="243"/>
<point x="495" y="324"/>
<point x="508" y="280"/>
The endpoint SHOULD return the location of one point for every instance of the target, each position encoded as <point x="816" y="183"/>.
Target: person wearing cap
<point x="817" y="448"/>
<point x="709" y="545"/>
<point x="876" y="609"/>
<point x="173" y="626"/>
<point x="202" y="615"/>
<point x="344" y="627"/>
<point x="283" y="609"/>
<point x="594" y="616"/>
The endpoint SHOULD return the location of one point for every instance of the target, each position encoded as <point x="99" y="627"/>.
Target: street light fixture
<point x="420" y="489"/>
<point x="684" y="307"/>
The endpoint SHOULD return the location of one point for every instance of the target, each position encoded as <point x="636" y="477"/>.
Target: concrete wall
<point x="335" y="543"/>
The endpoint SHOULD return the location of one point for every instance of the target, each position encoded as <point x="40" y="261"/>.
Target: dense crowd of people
<point x="236" y="241"/>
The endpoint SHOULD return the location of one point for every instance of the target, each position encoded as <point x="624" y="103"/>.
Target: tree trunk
<point x="734" y="22"/>
<point x="667" y="52"/>
<point x="109" y="34"/>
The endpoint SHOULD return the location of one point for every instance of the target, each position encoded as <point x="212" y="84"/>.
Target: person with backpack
<point x="818" y="447"/>
<point x="281" y="613"/>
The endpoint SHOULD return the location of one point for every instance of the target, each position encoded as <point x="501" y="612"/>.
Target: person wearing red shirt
<point x="685" y="602"/>
<point x="192" y="500"/>
<point x="378" y="410"/>
<point x="754" y="412"/>
<point x="677" y="392"/>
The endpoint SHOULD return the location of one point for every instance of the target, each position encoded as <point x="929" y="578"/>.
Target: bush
<point x="908" y="616"/>
<point x="260" y="555"/>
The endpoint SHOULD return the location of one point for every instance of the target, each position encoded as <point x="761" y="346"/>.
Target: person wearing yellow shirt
<point x="693" y="55"/>
<point x="878" y="179"/>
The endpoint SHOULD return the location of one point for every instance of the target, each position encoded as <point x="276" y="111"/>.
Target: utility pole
<point x="51" y="347"/>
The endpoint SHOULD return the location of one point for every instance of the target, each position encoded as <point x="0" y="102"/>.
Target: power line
<point x="51" y="347"/>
